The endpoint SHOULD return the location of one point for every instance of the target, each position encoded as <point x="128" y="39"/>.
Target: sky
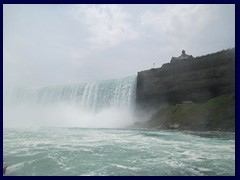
<point x="67" y="44"/>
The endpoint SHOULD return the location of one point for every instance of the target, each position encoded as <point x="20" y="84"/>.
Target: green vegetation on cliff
<point x="215" y="114"/>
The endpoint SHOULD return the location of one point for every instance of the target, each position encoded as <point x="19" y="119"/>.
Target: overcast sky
<point x="62" y="44"/>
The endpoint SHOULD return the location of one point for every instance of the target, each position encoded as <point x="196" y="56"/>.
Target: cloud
<point x="108" y="25"/>
<point x="176" y="22"/>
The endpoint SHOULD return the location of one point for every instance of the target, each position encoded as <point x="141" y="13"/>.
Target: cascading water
<point x="81" y="102"/>
<point x="99" y="94"/>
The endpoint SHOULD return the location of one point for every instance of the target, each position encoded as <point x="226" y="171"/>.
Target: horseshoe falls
<point x="107" y="103"/>
<point x="82" y="130"/>
<point x="95" y="95"/>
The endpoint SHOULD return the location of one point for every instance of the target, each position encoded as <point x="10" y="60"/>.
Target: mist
<point x="101" y="104"/>
<point x="62" y="115"/>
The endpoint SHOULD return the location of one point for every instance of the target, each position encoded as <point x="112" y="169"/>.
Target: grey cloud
<point x="61" y="44"/>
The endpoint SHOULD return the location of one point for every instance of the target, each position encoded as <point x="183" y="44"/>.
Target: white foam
<point x="134" y="169"/>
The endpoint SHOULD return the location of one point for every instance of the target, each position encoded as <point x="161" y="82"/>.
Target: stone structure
<point x="183" y="56"/>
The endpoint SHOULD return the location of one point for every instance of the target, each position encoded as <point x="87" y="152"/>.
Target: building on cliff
<point x="183" y="56"/>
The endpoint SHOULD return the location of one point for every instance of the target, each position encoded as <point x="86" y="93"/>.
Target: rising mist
<point x="102" y="104"/>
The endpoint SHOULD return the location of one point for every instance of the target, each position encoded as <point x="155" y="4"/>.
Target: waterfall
<point x="91" y="96"/>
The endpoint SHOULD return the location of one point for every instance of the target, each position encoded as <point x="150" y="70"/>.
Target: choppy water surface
<point x="76" y="151"/>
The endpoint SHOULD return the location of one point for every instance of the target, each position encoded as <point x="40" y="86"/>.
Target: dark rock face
<point x="194" y="79"/>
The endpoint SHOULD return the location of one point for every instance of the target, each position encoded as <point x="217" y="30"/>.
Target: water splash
<point x="107" y="103"/>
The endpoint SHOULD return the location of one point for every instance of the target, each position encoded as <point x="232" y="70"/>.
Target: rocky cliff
<point x="189" y="94"/>
<point x="195" y="79"/>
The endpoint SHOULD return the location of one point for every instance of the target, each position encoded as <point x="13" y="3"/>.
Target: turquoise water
<point x="93" y="96"/>
<point x="113" y="152"/>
